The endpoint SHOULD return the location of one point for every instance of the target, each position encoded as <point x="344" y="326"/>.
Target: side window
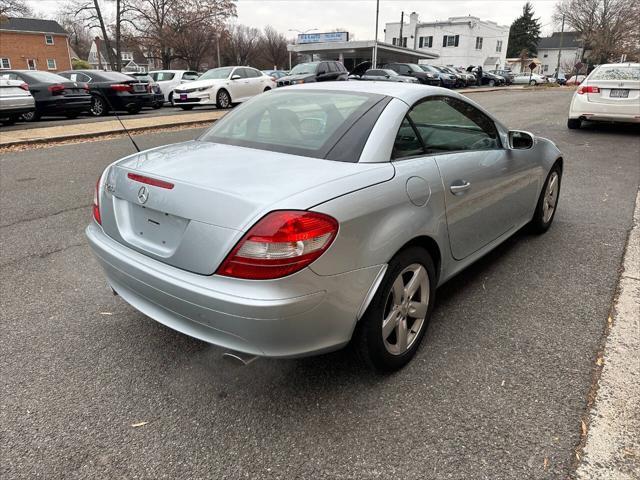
<point x="240" y="71"/>
<point x="252" y="73"/>
<point x="448" y="124"/>
<point x="404" y="70"/>
<point x="189" y="76"/>
<point x="332" y="67"/>
<point x="323" y="68"/>
<point x="407" y="142"/>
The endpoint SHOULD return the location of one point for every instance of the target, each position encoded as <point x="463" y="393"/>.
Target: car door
<point x="256" y="81"/>
<point x="239" y="88"/>
<point x="488" y="189"/>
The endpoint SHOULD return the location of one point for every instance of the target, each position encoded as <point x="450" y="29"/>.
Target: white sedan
<point x="529" y="78"/>
<point x="167" y="80"/>
<point x="610" y="93"/>
<point x="223" y="87"/>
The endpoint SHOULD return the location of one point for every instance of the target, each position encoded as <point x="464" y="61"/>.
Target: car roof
<point x="407" y="92"/>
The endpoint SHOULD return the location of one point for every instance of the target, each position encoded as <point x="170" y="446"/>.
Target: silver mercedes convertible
<point x="319" y="215"/>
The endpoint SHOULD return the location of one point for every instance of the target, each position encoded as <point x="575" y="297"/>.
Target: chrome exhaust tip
<point x="239" y="358"/>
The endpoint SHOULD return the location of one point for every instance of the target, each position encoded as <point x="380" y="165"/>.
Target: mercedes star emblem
<point x="143" y="194"/>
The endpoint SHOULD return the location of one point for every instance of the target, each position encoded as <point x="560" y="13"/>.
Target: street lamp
<point x="302" y="32"/>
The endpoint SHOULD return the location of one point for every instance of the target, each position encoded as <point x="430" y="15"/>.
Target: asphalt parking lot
<point x="93" y="389"/>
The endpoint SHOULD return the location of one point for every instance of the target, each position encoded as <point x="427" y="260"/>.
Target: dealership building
<point x="457" y="41"/>
<point x="336" y="46"/>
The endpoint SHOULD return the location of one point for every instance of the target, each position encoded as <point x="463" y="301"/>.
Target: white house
<point x="133" y="59"/>
<point x="459" y="41"/>
<point x="571" y="52"/>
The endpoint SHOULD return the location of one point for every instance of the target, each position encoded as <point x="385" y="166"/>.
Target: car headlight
<point x="296" y="82"/>
<point x="202" y="89"/>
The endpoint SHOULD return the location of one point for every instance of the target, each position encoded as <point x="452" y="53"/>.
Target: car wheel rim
<point x="224" y="100"/>
<point x="28" y="116"/>
<point x="550" y="197"/>
<point x="405" y="309"/>
<point x="96" y="107"/>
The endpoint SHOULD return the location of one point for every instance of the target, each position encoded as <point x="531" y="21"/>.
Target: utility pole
<point x="401" y="43"/>
<point x="375" y="41"/>
<point x="560" y="48"/>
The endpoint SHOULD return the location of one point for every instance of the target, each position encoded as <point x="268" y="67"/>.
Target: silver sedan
<point x="318" y="216"/>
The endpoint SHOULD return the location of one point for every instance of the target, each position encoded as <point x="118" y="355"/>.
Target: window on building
<point x="425" y="42"/>
<point x="48" y="39"/>
<point x="545" y="55"/>
<point x="450" y="40"/>
<point x="5" y="63"/>
<point x="478" y="43"/>
<point x="51" y="63"/>
<point x="499" y="46"/>
<point x="545" y="68"/>
<point x="31" y="64"/>
<point x="394" y="41"/>
<point x="127" y="56"/>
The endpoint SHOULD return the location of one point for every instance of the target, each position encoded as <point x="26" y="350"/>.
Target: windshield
<point x="46" y="77"/>
<point x="617" y="72"/>
<point x="304" y="68"/>
<point x="305" y="123"/>
<point x="428" y="68"/>
<point x="162" y="76"/>
<point x="217" y="74"/>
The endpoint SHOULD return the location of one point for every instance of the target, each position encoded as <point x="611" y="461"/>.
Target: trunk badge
<point x="143" y="194"/>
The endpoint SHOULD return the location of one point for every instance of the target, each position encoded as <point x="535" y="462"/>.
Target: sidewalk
<point x="111" y="126"/>
<point x="612" y="449"/>
<point x="96" y="129"/>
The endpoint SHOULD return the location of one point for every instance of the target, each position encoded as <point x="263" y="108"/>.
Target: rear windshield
<point x="162" y="76"/>
<point x="110" y="77"/>
<point x="617" y="72"/>
<point x="307" y="123"/>
<point x="45" y="77"/>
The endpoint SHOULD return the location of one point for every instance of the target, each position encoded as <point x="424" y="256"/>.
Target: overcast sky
<point x="358" y="16"/>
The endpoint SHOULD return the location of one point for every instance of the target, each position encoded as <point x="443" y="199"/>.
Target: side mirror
<point x="387" y="76"/>
<point x="235" y="77"/>
<point x="519" y="140"/>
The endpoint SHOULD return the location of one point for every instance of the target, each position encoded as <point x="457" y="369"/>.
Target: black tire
<point x="10" y="120"/>
<point x="171" y="100"/>
<point x="574" y="123"/>
<point x="186" y="107"/>
<point x="157" y="105"/>
<point x="492" y="83"/>
<point x="223" y="99"/>
<point x="266" y="89"/>
<point x="533" y="83"/>
<point x="539" y="224"/>
<point x="31" y="116"/>
<point x="134" y="110"/>
<point x="99" y="106"/>
<point x="368" y="337"/>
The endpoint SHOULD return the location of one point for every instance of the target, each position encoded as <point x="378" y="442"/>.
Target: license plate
<point x="619" y="93"/>
<point x="139" y="88"/>
<point x="183" y="96"/>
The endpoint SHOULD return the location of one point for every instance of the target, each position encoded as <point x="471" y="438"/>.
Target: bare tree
<point x="243" y="45"/>
<point x="79" y="35"/>
<point x="160" y="23"/>
<point x="609" y="28"/>
<point x="90" y="14"/>
<point x="14" y="8"/>
<point x="274" y="48"/>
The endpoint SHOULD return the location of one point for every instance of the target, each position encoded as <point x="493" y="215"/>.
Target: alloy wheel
<point x="223" y="100"/>
<point x="97" y="107"/>
<point x="405" y="309"/>
<point x="550" y="198"/>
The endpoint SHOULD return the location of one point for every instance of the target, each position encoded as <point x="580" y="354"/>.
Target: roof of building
<point x="35" y="25"/>
<point x="134" y="49"/>
<point x="360" y="48"/>
<point x="569" y="40"/>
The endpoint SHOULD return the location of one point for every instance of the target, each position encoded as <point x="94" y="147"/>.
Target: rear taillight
<point x="96" y="203"/>
<point x="588" y="89"/>
<point x="121" y="87"/>
<point x="56" y="89"/>
<point x="281" y="243"/>
<point x="25" y="86"/>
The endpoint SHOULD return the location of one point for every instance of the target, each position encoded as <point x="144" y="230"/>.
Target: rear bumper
<point x="126" y="100"/>
<point x="582" y="108"/>
<point x="300" y="315"/>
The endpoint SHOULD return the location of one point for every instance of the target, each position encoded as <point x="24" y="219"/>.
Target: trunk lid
<point x="615" y="92"/>
<point x="217" y="192"/>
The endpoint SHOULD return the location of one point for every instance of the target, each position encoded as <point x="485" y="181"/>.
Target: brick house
<point x="33" y="44"/>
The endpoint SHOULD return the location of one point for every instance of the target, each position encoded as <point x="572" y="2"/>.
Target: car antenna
<point x="122" y="123"/>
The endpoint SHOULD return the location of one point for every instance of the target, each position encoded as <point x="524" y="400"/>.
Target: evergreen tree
<point x="524" y="33"/>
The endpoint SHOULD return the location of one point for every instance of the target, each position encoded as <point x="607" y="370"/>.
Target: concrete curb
<point x="612" y="448"/>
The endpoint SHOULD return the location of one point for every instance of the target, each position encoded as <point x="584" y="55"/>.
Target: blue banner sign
<point x="323" y="37"/>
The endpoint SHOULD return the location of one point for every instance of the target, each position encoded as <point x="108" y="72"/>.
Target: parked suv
<point x="508" y="75"/>
<point x="169" y="80"/>
<point x="414" y="70"/>
<point x="314" y="72"/>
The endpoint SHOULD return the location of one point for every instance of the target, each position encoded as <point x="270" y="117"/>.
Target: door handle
<point x="460" y="188"/>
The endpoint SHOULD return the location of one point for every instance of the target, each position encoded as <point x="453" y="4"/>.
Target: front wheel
<point x="223" y="100"/>
<point x="492" y="83"/>
<point x="533" y="83"/>
<point x="389" y="333"/>
<point x="547" y="202"/>
<point x="31" y="116"/>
